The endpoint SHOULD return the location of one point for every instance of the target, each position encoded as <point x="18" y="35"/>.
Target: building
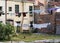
<point x="17" y="12"/>
<point x="55" y="15"/>
<point x="40" y="8"/>
<point x="42" y="5"/>
<point x="45" y="17"/>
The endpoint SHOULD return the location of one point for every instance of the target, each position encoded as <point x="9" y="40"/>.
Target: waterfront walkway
<point x="36" y="41"/>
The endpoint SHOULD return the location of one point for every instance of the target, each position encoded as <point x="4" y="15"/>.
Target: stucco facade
<point x="12" y="14"/>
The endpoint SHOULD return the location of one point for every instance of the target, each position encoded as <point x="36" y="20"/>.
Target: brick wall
<point x="45" y="18"/>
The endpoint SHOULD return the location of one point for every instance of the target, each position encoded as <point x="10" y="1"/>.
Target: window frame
<point x="30" y="9"/>
<point x="1" y="8"/>
<point x="16" y="10"/>
<point x="10" y="8"/>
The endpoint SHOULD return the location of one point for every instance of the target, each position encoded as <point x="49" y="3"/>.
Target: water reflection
<point x="38" y="41"/>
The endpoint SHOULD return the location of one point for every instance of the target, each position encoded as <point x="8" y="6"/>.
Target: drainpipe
<point x="33" y="9"/>
<point x="54" y="22"/>
<point x="5" y="11"/>
<point x="33" y="12"/>
<point x="22" y="14"/>
<point x="31" y="27"/>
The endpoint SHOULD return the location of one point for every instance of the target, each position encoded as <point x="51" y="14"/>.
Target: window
<point x="10" y="21"/>
<point x="18" y="23"/>
<point x="0" y="21"/>
<point x="0" y="8"/>
<point x="31" y="15"/>
<point x="19" y="14"/>
<point x="30" y="9"/>
<point x="31" y="23"/>
<point x="10" y="8"/>
<point x="52" y="0"/>
<point x="16" y="8"/>
<point x="57" y="0"/>
<point x="0" y="14"/>
<point x="24" y="14"/>
<point x="49" y="5"/>
<point x="18" y="26"/>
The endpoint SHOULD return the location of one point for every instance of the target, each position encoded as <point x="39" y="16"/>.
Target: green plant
<point x="6" y="31"/>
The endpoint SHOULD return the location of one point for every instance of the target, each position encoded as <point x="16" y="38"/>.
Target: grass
<point x="32" y="37"/>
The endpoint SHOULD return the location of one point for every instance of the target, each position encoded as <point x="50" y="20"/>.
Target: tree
<point x="9" y="30"/>
<point x="6" y="31"/>
<point x="2" y="30"/>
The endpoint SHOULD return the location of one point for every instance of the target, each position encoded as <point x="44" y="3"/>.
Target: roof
<point x="55" y="3"/>
<point x="56" y="9"/>
<point x="40" y="4"/>
<point x="22" y="0"/>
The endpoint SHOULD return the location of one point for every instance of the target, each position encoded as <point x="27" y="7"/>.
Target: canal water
<point x="36" y="41"/>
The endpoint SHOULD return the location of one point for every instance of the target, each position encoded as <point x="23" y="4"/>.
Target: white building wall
<point x="12" y="4"/>
<point x="2" y="3"/>
<point x="2" y="18"/>
<point x="12" y="13"/>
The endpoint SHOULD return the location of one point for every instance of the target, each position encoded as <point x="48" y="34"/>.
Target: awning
<point x="9" y="20"/>
<point x="58" y="10"/>
<point x="44" y="25"/>
<point x="37" y="11"/>
<point x="53" y="9"/>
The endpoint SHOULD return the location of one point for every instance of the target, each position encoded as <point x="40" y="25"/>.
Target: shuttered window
<point x="30" y="9"/>
<point x="16" y="8"/>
